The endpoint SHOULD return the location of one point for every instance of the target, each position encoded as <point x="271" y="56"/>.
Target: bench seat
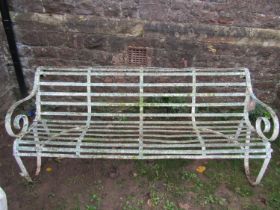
<point x="121" y="141"/>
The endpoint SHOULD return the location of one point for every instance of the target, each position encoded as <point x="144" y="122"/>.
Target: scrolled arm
<point x="267" y="123"/>
<point x="16" y="122"/>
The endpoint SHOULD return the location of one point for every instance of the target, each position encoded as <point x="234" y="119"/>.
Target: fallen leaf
<point x="49" y="169"/>
<point x="200" y="169"/>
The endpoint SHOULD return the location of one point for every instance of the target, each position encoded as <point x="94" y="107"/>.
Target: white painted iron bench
<point x="143" y="113"/>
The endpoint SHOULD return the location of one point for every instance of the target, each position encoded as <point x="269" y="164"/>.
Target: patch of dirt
<point x="232" y="200"/>
<point x="188" y="202"/>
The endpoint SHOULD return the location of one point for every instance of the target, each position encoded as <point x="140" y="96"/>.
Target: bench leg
<point x="39" y="163"/>
<point x="23" y="172"/>
<point x="261" y="173"/>
<point x="38" y="169"/>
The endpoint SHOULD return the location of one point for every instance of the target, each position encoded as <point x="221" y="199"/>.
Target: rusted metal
<point x="137" y="56"/>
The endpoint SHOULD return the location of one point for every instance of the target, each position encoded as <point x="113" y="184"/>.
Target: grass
<point x="132" y="203"/>
<point x="271" y="182"/>
<point x="156" y="197"/>
<point x="231" y="173"/>
<point x="179" y="182"/>
<point x="169" y="205"/>
<point x="160" y="169"/>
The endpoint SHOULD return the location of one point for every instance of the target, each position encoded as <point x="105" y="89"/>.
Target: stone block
<point x="57" y="39"/>
<point x="32" y="38"/>
<point x="154" y="10"/>
<point x="44" y="52"/>
<point x="74" y="40"/>
<point x="112" y="9"/>
<point x="94" y="41"/>
<point x="26" y="5"/>
<point x="66" y="53"/>
<point x="89" y="7"/>
<point x="85" y="55"/>
<point x="59" y="6"/>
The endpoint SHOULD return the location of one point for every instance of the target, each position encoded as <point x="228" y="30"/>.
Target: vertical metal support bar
<point x="246" y="119"/>
<point x="38" y="105"/>
<point x="46" y="128"/>
<point x="23" y="172"/>
<point x="247" y="100"/>
<point x="238" y="132"/>
<point x="38" y="97"/>
<point x="203" y="148"/>
<point x="247" y="142"/>
<point x="78" y="147"/>
<point x="246" y="161"/>
<point x="141" y="110"/>
<point x="38" y="149"/>
<point x="239" y="129"/>
<point x="262" y="171"/>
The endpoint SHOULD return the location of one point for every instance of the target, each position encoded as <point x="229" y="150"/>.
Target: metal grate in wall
<point x="137" y="56"/>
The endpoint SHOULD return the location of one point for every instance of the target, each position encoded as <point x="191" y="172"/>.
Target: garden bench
<point x="143" y="113"/>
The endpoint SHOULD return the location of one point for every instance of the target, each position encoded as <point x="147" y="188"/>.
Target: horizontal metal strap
<point x="146" y="130"/>
<point x="66" y="103"/>
<point x="84" y="84"/>
<point x="135" y="128"/>
<point x="168" y="122"/>
<point x="195" y="140"/>
<point x="121" y="135"/>
<point x="138" y="95"/>
<point x="144" y="115"/>
<point x="145" y="157"/>
<point x="129" y="139"/>
<point x="137" y="69"/>
<point x="152" y="145"/>
<point x="74" y="130"/>
<point x="116" y="73"/>
<point x="214" y="127"/>
<point x="89" y="139"/>
<point x="145" y="151"/>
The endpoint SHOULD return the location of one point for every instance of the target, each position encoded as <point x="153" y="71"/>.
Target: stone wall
<point x="249" y="13"/>
<point x="209" y="33"/>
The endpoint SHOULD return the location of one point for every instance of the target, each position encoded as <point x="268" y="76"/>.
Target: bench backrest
<point x="137" y="94"/>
